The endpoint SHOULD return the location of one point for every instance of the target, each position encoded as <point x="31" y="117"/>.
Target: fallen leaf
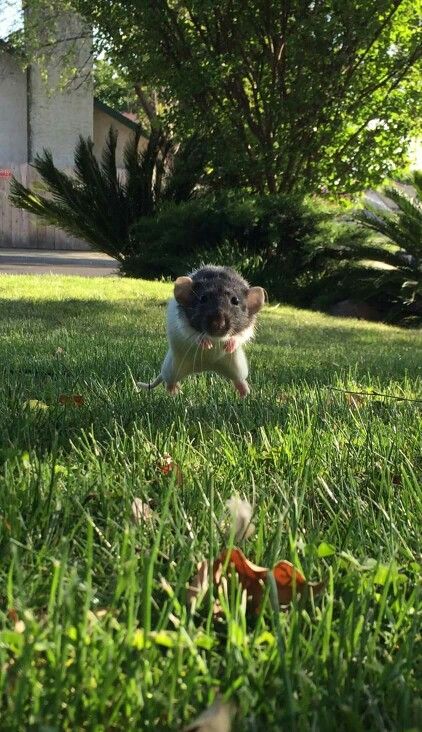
<point x="199" y="583"/>
<point x="217" y="718"/>
<point x="73" y="399"/>
<point x="141" y="511"/>
<point x="240" y="518"/>
<point x="325" y="549"/>
<point x="34" y="404"/>
<point x="12" y="615"/>
<point x="252" y="577"/>
<point x="94" y="616"/>
<point x="355" y="400"/>
<point x="59" y="351"/>
<point x="166" y="465"/>
<point x="286" y="577"/>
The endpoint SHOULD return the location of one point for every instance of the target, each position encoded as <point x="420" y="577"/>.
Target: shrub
<point x="385" y="271"/>
<point x="100" y="205"/>
<point x="264" y="237"/>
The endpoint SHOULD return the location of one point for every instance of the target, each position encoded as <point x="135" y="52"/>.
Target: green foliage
<point x="335" y="489"/>
<point x="264" y="237"/>
<point x="99" y="203"/>
<point x="402" y="225"/>
<point x="112" y="86"/>
<point x="385" y="271"/>
<point x="287" y="97"/>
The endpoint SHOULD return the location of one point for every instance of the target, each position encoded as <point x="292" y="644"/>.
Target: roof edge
<point x="119" y="117"/>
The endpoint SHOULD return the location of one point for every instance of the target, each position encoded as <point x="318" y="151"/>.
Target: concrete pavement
<point x="44" y="261"/>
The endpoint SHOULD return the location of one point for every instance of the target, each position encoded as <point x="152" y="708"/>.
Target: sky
<point x="9" y="16"/>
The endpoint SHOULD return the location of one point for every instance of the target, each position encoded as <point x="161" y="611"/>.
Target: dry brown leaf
<point x="252" y="577"/>
<point x="141" y="511"/>
<point x="355" y="400"/>
<point x="217" y="718"/>
<point x="166" y="465"/>
<point x="75" y="400"/>
<point x="12" y="615"/>
<point x="199" y="583"/>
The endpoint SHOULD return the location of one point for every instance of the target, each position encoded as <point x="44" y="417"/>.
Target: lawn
<point x="95" y="632"/>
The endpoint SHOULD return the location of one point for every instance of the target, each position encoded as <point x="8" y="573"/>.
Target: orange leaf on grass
<point x="166" y="465"/>
<point x="73" y="399"/>
<point x="252" y="577"/>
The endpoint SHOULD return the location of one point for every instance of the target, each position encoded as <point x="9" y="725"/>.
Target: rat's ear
<point x="183" y="289"/>
<point x="255" y="299"/>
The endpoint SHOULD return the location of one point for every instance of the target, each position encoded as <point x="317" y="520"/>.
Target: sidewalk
<point x="44" y="261"/>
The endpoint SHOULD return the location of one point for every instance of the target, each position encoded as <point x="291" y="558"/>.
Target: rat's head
<point x="218" y="301"/>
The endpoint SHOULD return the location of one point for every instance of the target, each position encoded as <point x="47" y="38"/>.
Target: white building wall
<point x="13" y="117"/>
<point x="58" y="117"/>
<point x="102" y="123"/>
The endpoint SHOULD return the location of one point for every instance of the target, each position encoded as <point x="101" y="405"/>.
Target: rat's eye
<point x="203" y="298"/>
<point x="234" y="300"/>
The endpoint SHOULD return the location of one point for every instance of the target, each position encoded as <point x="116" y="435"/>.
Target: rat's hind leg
<point x="242" y="387"/>
<point x="172" y="373"/>
<point x="234" y="366"/>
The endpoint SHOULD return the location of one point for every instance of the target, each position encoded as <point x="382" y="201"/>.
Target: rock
<point x="354" y="309"/>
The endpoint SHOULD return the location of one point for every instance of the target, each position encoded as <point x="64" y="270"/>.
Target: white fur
<point x="186" y="356"/>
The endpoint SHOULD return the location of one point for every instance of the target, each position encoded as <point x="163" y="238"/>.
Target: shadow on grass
<point x="104" y="342"/>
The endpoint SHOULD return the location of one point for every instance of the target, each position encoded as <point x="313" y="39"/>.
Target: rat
<point x="210" y="317"/>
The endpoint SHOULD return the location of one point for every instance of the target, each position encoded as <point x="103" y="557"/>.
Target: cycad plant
<point x="98" y="203"/>
<point x="402" y="226"/>
<point x="386" y="270"/>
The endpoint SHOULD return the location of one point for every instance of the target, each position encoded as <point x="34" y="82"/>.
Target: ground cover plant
<point x="95" y="630"/>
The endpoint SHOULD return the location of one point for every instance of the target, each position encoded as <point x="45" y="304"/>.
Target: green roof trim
<point x="118" y="116"/>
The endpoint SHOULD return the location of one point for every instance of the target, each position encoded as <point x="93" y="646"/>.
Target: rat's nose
<point x="217" y="323"/>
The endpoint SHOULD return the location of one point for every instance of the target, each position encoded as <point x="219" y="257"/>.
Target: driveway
<point x="44" y="261"/>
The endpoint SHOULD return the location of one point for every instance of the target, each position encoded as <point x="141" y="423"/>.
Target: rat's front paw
<point x="205" y="343"/>
<point x="230" y="345"/>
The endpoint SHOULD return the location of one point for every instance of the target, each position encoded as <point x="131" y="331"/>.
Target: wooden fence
<point x="21" y="230"/>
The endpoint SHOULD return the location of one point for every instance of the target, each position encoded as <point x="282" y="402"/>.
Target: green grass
<point x="316" y="469"/>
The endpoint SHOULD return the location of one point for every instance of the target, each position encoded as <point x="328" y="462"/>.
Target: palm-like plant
<point x="100" y="205"/>
<point x="386" y="270"/>
<point x="402" y="226"/>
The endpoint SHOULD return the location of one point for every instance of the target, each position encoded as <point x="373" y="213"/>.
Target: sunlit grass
<point x="81" y="583"/>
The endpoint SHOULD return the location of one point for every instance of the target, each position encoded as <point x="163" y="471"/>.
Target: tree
<point x="289" y="94"/>
<point x="112" y="86"/>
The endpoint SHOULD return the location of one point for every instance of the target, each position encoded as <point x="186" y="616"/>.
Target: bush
<point x="100" y="205"/>
<point x="267" y="238"/>
<point x="384" y="270"/>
